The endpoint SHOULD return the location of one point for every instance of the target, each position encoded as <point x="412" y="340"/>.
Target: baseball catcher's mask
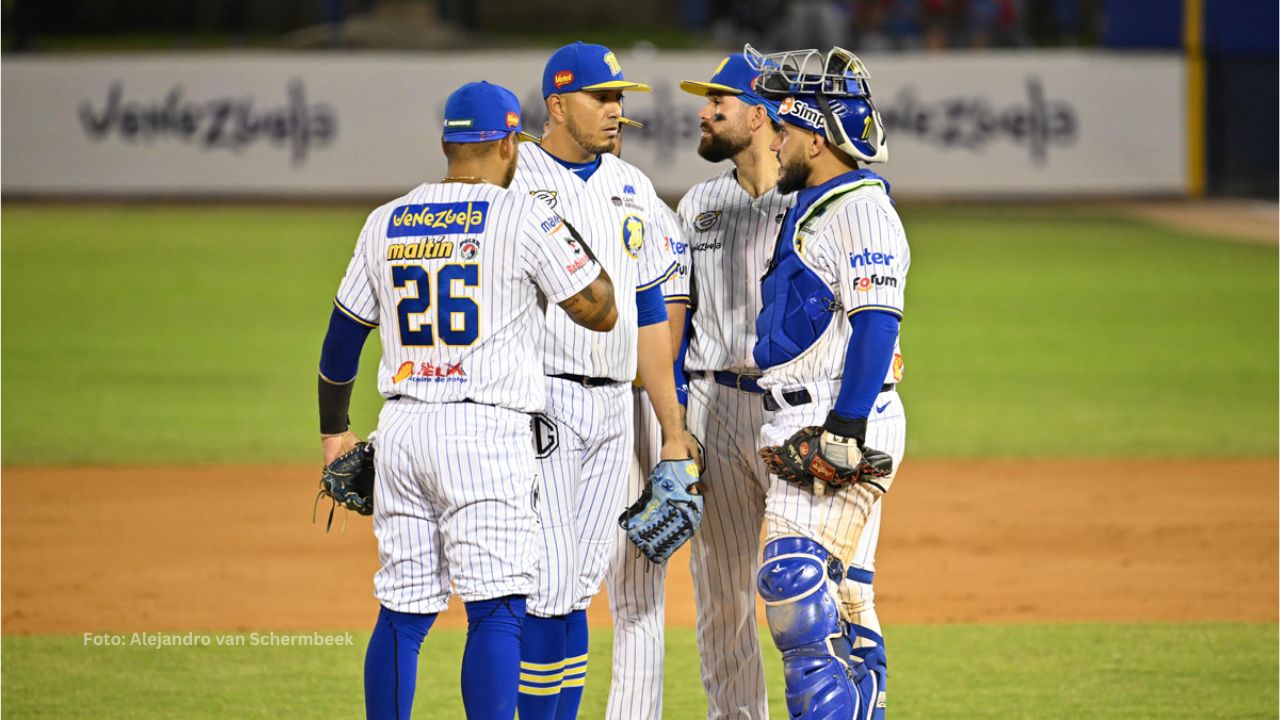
<point x="830" y="94"/>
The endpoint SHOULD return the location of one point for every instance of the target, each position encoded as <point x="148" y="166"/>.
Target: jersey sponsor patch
<point x="869" y="258"/>
<point x="632" y="235"/>
<point x="428" y="372"/>
<point x="867" y="284"/>
<point x="707" y="220"/>
<point x="438" y="219"/>
<point x="422" y="250"/>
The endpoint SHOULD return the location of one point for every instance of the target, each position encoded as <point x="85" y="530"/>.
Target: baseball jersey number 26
<point x="458" y="318"/>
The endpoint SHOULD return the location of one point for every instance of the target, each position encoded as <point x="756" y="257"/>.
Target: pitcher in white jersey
<point x="827" y="341"/>
<point x="585" y="438"/>
<point x="730" y="222"/>
<point x="635" y="584"/>
<point x="452" y="273"/>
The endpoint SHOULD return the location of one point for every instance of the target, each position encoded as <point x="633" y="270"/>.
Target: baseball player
<point x="731" y="221"/>
<point x="451" y="274"/>
<point x="827" y="341"/>
<point x="636" y="585"/>
<point x="585" y="439"/>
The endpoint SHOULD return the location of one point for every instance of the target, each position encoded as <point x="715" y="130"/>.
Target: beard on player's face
<point x="723" y="143"/>
<point x="793" y="173"/>
<point x="592" y="143"/>
<point x="511" y="167"/>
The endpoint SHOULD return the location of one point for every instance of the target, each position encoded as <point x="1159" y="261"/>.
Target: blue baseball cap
<point x="583" y="66"/>
<point x="736" y="77"/>
<point x="480" y="112"/>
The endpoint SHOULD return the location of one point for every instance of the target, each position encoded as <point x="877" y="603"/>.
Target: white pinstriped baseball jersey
<point x="616" y="211"/>
<point x="859" y="249"/>
<point x="675" y="235"/>
<point x="731" y="237"/>
<point x="451" y="271"/>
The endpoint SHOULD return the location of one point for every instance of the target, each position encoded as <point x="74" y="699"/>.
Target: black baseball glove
<point x="348" y="481"/>
<point x="668" y="512"/>
<point x="816" y="454"/>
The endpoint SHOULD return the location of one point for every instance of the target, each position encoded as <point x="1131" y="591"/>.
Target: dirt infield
<point x="1251" y="221"/>
<point x="126" y="549"/>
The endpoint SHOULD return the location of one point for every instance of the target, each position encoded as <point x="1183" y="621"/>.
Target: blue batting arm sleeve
<point x="865" y="366"/>
<point x="651" y="306"/>
<point x="340" y="355"/>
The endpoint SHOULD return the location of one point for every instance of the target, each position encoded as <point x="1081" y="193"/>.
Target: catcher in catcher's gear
<point x="668" y="511"/>
<point x="832" y="301"/>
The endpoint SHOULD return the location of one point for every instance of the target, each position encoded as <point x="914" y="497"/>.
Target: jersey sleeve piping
<point x="666" y="274"/>
<point x="882" y="308"/>
<point x="345" y="311"/>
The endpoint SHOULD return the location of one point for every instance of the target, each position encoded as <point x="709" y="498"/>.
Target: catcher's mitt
<point x="814" y="454"/>
<point x="668" y="512"/>
<point x="348" y="481"/>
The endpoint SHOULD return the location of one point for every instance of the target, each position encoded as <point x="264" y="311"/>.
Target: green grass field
<point x="1123" y="672"/>
<point x="179" y="335"/>
<point x="173" y="335"/>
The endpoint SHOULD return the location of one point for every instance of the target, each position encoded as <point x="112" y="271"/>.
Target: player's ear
<point x="507" y="146"/>
<point x="556" y="108"/>
<point x="759" y="116"/>
<point x="816" y="143"/>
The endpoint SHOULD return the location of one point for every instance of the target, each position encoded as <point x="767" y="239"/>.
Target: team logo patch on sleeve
<point x="632" y="235"/>
<point x="707" y="220"/>
<point x="437" y="219"/>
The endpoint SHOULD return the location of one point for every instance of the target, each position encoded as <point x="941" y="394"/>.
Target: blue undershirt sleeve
<point x="865" y="366"/>
<point x="340" y="354"/>
<point x="682" y="380"/>
<point x="651" y="306"/>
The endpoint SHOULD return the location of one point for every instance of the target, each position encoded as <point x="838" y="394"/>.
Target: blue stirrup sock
<point x="542" y="653"/>
<point x="391" y="664"/>
<point x="576" y="640"/>
<point x="491" y="661"/>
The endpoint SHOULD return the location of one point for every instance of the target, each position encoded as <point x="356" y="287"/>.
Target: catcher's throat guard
<point x="827" y="93"/>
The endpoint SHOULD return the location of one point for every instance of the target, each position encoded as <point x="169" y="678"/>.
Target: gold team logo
<point x="632" y="235"/>
<point x="612" y="61"/>
<point x="707" y="220"/>
<point x="898" y="366"/>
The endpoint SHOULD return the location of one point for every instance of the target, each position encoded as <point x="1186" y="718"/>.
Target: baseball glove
<point x="815" y="454"/>
<point x="668" y="512"/>
<point x="348" y="481"/>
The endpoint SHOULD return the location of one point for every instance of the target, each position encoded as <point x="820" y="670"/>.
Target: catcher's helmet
<point x="827" y="94"/>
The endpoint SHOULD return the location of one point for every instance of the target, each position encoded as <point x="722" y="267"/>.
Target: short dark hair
<point x="468" y="151"/>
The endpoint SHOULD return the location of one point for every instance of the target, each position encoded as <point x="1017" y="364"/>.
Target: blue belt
<point x="741" y="383"/>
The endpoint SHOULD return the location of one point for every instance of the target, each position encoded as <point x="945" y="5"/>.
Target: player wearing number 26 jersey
<point x="452" y="274"/>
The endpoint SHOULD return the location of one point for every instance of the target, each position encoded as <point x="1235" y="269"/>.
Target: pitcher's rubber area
<point x="134" y="549"/>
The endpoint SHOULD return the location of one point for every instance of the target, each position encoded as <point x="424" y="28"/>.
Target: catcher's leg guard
<point x="796" y="582"/>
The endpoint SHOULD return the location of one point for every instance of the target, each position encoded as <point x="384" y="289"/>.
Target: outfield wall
<point x="964" y="124"/>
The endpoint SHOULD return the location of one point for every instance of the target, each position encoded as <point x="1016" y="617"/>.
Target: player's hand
<point x="335" y="446"/>
<point x="682" y="447"/>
